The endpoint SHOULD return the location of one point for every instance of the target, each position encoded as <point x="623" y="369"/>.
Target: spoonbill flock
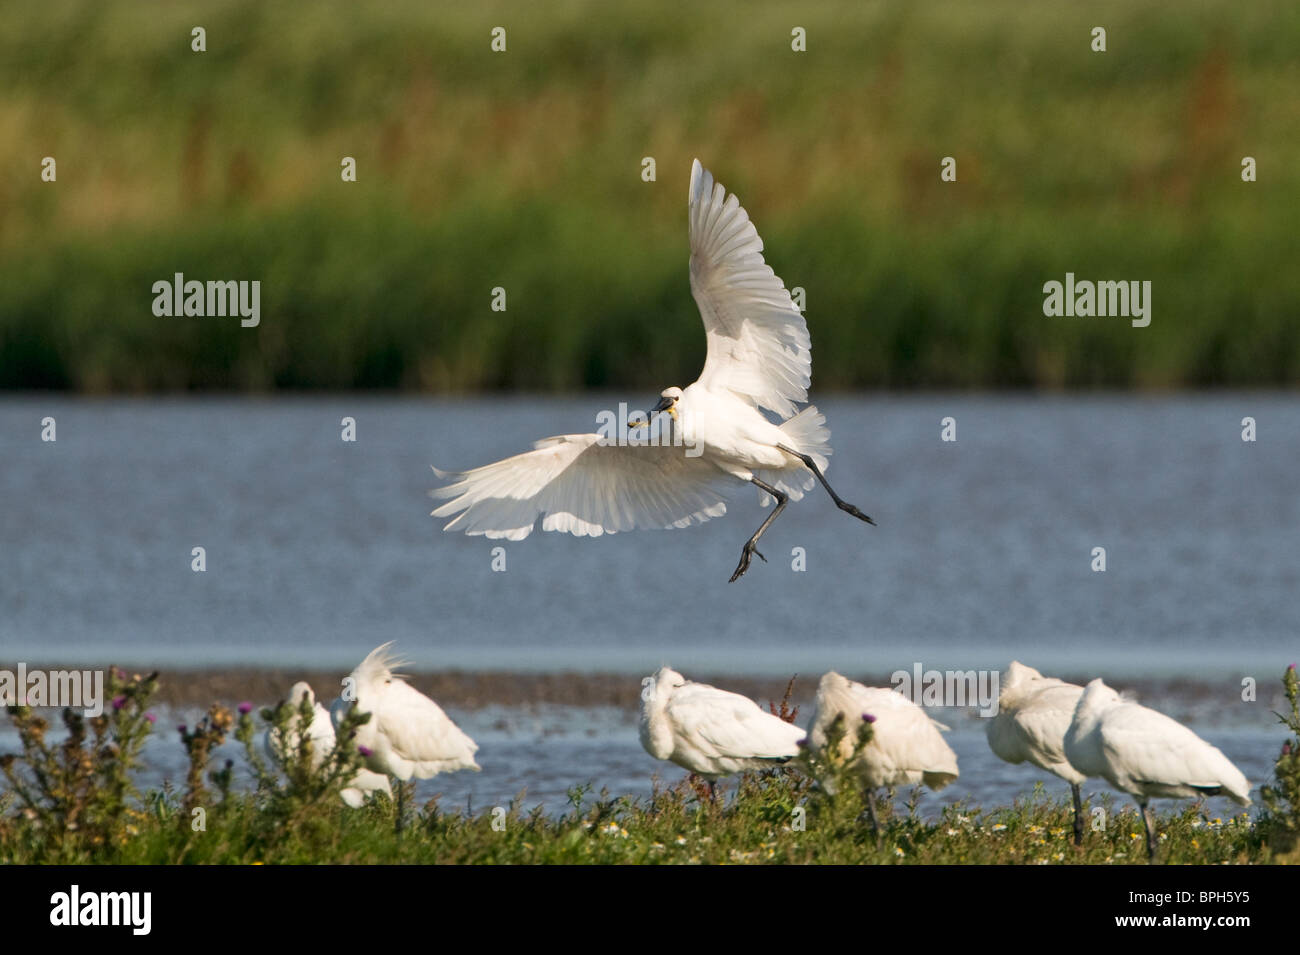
<point x="1071" y="731"/>
<point x="1076" y="733"/>
<point x="759" y="360"/>
<point x="877" y="736"/>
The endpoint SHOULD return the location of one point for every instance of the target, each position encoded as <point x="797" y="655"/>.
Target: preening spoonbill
<point x="758" y="359"/>
<point x="321" y="734"/>
<point x="408" y="734"/>
<point x="906" y="746"/>
<point x="1034" y="711"/>
<point x="1146" y="754"/>
<point x="709" y="731"/>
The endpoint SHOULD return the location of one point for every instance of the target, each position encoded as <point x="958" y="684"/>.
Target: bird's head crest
<point x="380" y="664"/>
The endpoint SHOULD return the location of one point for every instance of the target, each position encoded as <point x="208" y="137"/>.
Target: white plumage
<point x="758" y="344"/>
<point x="906" y="745"/>
<point x="709" y="731"/>
<point x="321" y="735"/>
<point x="581" y="486"/>
<point x="1034" y="712"/>
<point x="1146" y="754"/>
<point x="758" y="358"/>
<point x="408" y="734"/>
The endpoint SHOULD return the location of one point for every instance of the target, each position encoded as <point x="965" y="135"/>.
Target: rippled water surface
<point x="317" y="550"/>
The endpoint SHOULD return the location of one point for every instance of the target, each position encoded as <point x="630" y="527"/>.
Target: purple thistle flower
<point x="181" y="728"/>
<point x="245" y="707"/>
<point x="365" y="750"/>
<point x="151" y="718"/>
<point x="803" y="743"/>
<point x="868" y="718"/>
<point x="119" y="702"/>
<point x="121" y="674"/>
<point x="1286" y="749"/>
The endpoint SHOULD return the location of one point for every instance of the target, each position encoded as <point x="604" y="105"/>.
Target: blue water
<point x="317" y="549"/>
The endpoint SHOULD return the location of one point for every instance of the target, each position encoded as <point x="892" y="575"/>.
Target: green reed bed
<point x="522" y="170"/>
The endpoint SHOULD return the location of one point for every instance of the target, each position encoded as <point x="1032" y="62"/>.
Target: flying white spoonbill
<point x="1034" y="711"/>
<point x="321" y="734"/>
<point x="758" y="358"/>
<point x="711" y="732"/>
<point x="905" y="747"/>
<point x="1146" y="754"/>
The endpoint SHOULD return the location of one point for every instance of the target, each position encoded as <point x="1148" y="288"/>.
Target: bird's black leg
<point x="400" y="819"/>
<point x="875" y="822"/>
<point x="1148" y="817"/>
<point x="713" y="791"/>
<point x="751" y="545"/>
<point x="842" y="504"/>
<point x="1078" y="814"/>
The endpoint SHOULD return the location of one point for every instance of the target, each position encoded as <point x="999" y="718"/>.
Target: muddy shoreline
<point x="476" y="689"/>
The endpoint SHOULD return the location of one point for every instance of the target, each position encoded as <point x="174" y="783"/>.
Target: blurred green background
<point x="522" y="169"/>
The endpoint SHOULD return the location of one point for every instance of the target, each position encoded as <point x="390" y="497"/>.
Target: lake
<point x="318" y="549"/>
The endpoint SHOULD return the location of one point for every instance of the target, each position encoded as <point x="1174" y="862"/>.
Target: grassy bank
<point x="679" y="826"/>
<point x="522" y="170"/>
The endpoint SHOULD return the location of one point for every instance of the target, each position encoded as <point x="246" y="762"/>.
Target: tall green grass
<point x="521" y="170"/>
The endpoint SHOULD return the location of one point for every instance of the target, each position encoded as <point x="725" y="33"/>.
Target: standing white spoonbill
<point x="905" y="747"/>
<point x="1034" y="711"/>
<point x="709" y="731"/>
<point x="408" y="734"/>
<point x="758" y="358"/>
<point x="321" y="735"/>
<point x="1146" y="754"/>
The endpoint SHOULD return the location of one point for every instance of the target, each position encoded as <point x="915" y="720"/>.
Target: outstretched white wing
<point x="758" y="342"/>
<point x="577" y="484"/>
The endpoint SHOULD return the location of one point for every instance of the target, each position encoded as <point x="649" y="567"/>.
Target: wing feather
<point x="582" y="486"/>
<point x="730" y="725"/>
<point x="424" y="736"/>
<point x="758" y="344"/>
<point x="1149" y="747"/>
